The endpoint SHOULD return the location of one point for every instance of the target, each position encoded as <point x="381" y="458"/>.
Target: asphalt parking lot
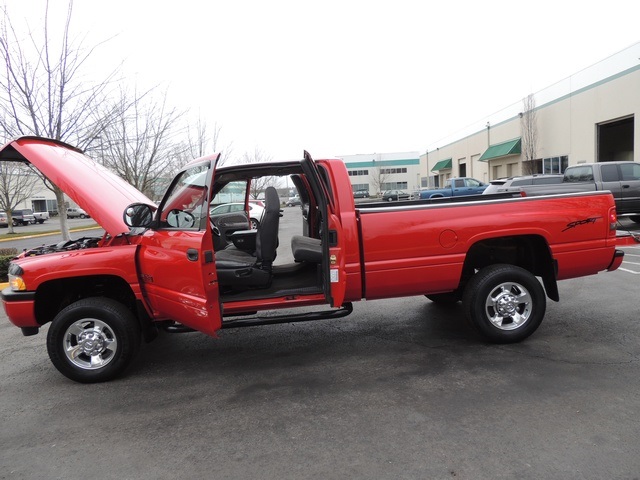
<point x="400" y="389"/>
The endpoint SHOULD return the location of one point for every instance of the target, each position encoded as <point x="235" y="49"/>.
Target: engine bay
<point x="64" y="246"/>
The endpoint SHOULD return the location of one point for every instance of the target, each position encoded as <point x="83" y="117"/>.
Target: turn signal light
<point x="17" y="283"/>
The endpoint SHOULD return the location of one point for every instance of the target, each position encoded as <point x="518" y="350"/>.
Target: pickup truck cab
<point x="174" y="267"/>
<point x="456" y="187"/>
<point x="621" y="178"/>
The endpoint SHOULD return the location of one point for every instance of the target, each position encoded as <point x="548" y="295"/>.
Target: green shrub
<point x="6" y="255"/>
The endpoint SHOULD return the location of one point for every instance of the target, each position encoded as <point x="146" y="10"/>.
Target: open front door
<point x="176" y="258"/>
<point x="333" y="259"/>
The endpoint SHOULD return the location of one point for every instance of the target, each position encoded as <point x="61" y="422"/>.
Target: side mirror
<point x="138" y="215"/>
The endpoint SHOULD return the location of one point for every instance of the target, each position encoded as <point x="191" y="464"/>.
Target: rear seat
<point x="306" y="249"/>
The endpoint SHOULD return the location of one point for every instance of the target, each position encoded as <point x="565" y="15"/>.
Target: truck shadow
<point x="428" y="341"/>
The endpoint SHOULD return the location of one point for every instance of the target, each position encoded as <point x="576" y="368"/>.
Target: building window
<point x="555" y="164"/>
<point x="360" y="186"/>
<point x="393" y="170"/>
<point x="394" y="186"/>
<point x="532" y="166"/>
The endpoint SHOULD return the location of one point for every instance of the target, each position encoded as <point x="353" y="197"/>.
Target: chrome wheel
<point x="90" y="344"/>
<point x="93" y="339"/>
<point x="505" y="302"/>
<point x="508" y="306"/>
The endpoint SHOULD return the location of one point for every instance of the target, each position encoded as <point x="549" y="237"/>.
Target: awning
<point x="512" y="147"/>
<point x="442" y="165"/>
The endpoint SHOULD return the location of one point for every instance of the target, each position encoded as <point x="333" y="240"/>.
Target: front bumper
<point x="19" y="307"/>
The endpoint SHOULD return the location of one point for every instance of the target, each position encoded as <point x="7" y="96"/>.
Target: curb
<point x="47" y="234"/>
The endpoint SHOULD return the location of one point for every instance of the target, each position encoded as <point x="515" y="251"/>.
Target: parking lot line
<point x="629" y="271"/>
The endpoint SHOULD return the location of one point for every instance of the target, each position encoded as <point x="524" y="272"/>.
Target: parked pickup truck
<point x="456" y="187"/>
<point x="622" y="179"/>
<point x="41" y="216"/>
<point x="171" y="266"/>
<point x="22" y="216"/>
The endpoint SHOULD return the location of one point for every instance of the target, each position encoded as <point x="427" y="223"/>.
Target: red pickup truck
<point x="176" y="266"/>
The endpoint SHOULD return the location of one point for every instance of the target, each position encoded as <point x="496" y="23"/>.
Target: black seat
<point x="239" y="268"/>
<point x="306" y="249"/>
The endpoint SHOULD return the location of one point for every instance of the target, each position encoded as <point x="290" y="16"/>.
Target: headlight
<point x="15" y="277"/>
<point x="16" y="283"/>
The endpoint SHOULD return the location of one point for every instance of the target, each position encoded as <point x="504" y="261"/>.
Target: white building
<point x="377" y="172"/>
<point x="588" y="117"/>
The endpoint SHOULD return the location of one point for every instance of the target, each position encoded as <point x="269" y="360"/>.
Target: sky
<point x="344" y="77"/>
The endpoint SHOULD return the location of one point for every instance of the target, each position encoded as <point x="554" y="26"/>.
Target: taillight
<point x="613" y="219"/>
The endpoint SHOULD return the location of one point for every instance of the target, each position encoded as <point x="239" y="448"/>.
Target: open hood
<point x="101" y="193"/>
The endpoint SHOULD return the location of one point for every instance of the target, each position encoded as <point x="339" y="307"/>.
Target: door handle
<point x="192" y="255"/>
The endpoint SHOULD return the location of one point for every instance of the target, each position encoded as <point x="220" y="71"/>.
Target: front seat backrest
<point x="267" y="237"/>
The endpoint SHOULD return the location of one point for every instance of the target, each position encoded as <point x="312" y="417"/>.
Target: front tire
<point x="93" y="340"/>
<point x="506" y="303"/>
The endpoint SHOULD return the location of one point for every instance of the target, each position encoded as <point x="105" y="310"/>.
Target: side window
<point x="630" y="171"/>
<point x="472" y="183"/>
<point x="516" y="183"/>
<point x="609" y="173"/>
<point x="229" y="198"/>
<point x="579" y="174"/>
<point x="458" y="183"/>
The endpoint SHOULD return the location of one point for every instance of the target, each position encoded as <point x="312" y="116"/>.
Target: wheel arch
<point x="530" y="252"/>
<point x="54" y="295"/>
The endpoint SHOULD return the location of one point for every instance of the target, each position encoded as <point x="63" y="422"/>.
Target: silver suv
<point x="76" y="213"/>
<point x="513" y="184"/>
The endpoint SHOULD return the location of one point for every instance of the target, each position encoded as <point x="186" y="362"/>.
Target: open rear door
<point x="333" y="261"/>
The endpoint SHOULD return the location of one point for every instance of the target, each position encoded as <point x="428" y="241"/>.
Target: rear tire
<point x="506" y="303"/>
<point x="93" y="340"/>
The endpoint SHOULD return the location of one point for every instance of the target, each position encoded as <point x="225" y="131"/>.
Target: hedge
<point x="6" y="255"/>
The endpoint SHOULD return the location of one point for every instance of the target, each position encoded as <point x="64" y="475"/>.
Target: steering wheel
<point x="180" y="219"/>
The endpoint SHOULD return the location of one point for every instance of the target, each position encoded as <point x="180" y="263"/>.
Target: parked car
<point x="361" y="194"/>
<point x="391" y="195"/>
<point x="76" y="213"/>
<point x="513" y="184"/>
<point x="3" y="220"/>
<point x="23" y="217"/>
<point x="293" y="201"/>
<point x="256" y="212"/>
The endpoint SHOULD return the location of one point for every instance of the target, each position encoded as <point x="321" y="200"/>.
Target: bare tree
<point x="17" y="183"/>
<point x="258" y="185"/>
<point x="529" y="126"/>
<point x="378" y="179"/>
<point x="139" y="144"/>
<point x="43" y="92"/>
<point x="203" y="141"/>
